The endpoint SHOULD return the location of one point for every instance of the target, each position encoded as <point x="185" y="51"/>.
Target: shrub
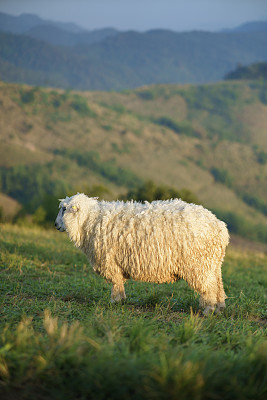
<point x="27" y="96"/>
<point x="149" y="191"/>
<point x="100" y="191"/>
<point x="241" y="226"/>
<point x="183" y="127"/>
<point x="262" y="157"/>
<point x="222" y="175"/>
<point x="255" y="202"/>
<point x="80" y="105"/>
<point x="169" y="123"/>
<point x="146" y="94"/>
<point x="56" y="102"/>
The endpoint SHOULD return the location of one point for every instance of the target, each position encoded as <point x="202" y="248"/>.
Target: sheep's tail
<point x="224" y="234"/>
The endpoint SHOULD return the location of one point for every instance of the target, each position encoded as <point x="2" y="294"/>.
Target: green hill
<point x="208" y="139"/>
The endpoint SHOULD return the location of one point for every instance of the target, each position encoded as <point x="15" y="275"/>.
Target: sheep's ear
<point x="66" y="199"/>
<point x="73" y="209"/>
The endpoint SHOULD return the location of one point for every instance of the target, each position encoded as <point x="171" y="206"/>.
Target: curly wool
<point x="162" y="241"/>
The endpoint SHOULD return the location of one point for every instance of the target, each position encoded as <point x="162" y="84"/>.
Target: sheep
<point x="161" y="241"/>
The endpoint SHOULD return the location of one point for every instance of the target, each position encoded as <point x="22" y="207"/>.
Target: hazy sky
<point x="144" y="14"/>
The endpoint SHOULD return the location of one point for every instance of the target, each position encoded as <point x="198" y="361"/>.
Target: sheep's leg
<point x="117" y="292"/>
<point x="221" y="296"/>
<point x="208" y="296"/>
<point x="114" y="275"/>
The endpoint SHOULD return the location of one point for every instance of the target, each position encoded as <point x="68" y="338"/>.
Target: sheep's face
<point x="59" y="223"/>
<point x="66" y="206"/>
<point x="73" y="213"/>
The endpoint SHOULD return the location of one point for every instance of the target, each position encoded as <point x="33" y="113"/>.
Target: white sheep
<point x="162" y="241"/>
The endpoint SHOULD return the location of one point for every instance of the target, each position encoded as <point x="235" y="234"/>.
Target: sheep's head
<point x="64" y="206"/>
<point x="73" y="211"/>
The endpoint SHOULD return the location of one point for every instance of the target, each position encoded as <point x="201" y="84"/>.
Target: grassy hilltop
<point x="61" y="337"/>
<point x="210" y="139"/>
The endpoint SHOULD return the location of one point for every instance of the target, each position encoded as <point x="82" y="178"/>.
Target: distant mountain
<point x="13" y="24"/>
<point x="56" y="33"/>
<point x="256" y="26"/>
<point x="25" y="22"/>
<point x="107" y="59"/>
<point x="56" y="36"/>
<point x="254" y="71"/>
<point x="162" y="56"/>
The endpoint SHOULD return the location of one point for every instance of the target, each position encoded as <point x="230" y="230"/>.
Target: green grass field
<point x="61" y="338"/>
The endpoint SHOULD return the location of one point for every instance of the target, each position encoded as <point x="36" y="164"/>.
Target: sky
<point x="142" y="15"/>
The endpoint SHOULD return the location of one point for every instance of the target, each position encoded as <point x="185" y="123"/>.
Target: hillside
<point x="210" y="139"/>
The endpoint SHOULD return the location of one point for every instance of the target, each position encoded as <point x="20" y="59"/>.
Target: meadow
<point x="61" y="338"/>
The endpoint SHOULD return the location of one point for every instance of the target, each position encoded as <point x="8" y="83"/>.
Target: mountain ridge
<point x="24" y="22"/>
<point x="253" y="26"/>
<point x="29" y="20"/>
<point x="131" y="59"/>
<point x="108" y="59"/>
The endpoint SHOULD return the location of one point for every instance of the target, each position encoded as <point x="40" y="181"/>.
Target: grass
<point x="60" y="337"/>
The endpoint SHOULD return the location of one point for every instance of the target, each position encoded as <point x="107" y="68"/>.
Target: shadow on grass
<point x="160" y="303"/>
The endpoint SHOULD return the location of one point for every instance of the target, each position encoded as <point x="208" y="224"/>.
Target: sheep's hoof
<point x="118" y="299"/>
<point x="219" y="307"/>
<point x="208" y="310"/>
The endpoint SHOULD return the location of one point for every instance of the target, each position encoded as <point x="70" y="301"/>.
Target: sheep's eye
<point x="64" y="209"/>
